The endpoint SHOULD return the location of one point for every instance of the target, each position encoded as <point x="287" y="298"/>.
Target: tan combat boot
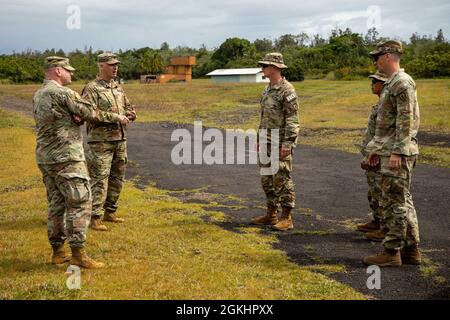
<point x="59" y="255"/>
<point x="411" y="255"/>
<point x="377" y="235"/>
<point x="111" y="217"/>
<point x="369" y="226"/>
<point x="81" y="259"/>
<point x="389" y="258"/>
<point x="269" y="219"/>
<point x="285" y="222"/>
<point x="96" y="224"/>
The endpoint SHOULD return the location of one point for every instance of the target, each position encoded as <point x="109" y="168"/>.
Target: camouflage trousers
<point x="398" y="207"/>
<point x="106" y="163"/>
<point x="279" y="187"/>
<point x="69" y="202"/>
<point x="374" y="194"/>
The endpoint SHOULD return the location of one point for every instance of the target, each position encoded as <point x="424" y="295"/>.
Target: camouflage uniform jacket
<point x="58" y="137"/>
<point x="398" y="118"/>
<point x="107" y="96"/>
<point x="279" y="110"/>
<point x="370" y="131"/>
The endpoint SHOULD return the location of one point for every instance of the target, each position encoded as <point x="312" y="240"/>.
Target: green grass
<point x="314" y="232"/>
<point x="165" y="250"/>
<point x="429" y="269"/>
<point x="333" y="114"/>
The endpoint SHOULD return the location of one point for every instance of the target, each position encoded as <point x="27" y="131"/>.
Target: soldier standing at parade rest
<point x="374" y="230"/>
<point x="394" y="147"/>
<point x="279" y="111"/>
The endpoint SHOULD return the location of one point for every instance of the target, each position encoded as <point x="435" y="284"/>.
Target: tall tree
<point x="263" y="45"/>
<point x="231" y="49"/>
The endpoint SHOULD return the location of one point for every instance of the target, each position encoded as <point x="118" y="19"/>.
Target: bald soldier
<point x="107" y="142"/>
<point x="279" y="110"/>
<point x="394" y="148"/>
<point x="374" y="229"/>
<point x="60" y="157"/>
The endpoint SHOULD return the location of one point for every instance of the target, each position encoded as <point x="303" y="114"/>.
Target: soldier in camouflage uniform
<point x="279" y="110"/>
<point x="374" y="229"/>
<point x="107" y="145"/>
<point x="60" y="157"/>
<point x="395" y="148"/>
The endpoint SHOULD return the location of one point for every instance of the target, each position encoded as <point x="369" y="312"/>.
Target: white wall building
<point x="249" y="75"/>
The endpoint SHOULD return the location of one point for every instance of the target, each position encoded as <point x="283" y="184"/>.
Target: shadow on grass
<point x="25" y="265"/>
<point x="21" y="223"/>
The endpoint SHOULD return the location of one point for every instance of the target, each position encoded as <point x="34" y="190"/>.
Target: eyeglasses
<point x="374" y="81"/>
<point x="263" y="66"/>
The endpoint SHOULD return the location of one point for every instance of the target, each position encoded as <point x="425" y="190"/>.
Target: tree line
<point x="344" y="55"/>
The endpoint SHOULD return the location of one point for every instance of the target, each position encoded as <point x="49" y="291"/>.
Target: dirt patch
<point x="434" y="139"/>
<point x="16" y="104"/>
<point x="425" y="138"/>
<point x="233" y="117"/>
<point x="249" y="101"/>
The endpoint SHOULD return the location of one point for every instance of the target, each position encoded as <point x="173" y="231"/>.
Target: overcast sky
<point x="121" y="24"/>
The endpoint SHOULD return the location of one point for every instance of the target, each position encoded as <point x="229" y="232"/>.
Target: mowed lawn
<point x="167" y="249"/>
<point x="333" y="114"/>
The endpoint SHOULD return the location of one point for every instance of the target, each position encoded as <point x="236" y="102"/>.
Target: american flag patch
<point x="291" y="97"/>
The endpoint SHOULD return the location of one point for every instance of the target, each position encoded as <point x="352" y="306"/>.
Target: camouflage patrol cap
<point x="108" y="57"/>
<point x="379" y="76"/>
<point x="275" y="59"/>
<point x="55" y="61"/>
<point x="389" y="46"/>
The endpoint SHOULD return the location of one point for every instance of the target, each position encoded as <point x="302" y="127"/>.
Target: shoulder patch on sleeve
<point x="400" y="86"/>
<point x="403" y="96"/>
<point x="88" y="88"/>
<point x="69" y="93"/>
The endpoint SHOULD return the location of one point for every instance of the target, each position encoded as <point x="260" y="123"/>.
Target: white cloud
<point x="114" y="24"/>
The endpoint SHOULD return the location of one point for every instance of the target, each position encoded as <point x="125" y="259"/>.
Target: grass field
<point x="333" y="114"/>
<point x="167" y="249"/>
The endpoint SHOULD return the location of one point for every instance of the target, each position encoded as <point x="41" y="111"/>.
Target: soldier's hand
<point x="374" y="160"/>
<point x="123" y="119"/>
<point x="78" y="121"/>
<point x="395" y="161"/>
<point x="131" y="116"/>
<point x="364" y="165"/>
<point x="285" y="151"/>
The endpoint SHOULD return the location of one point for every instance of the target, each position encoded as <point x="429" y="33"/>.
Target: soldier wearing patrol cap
<point x="374" y="229"/>
<point x="394" y="148"/>
<point x="60" y="157"/>
<point x="279" y="110"/>
<point x="107" y="143"/>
